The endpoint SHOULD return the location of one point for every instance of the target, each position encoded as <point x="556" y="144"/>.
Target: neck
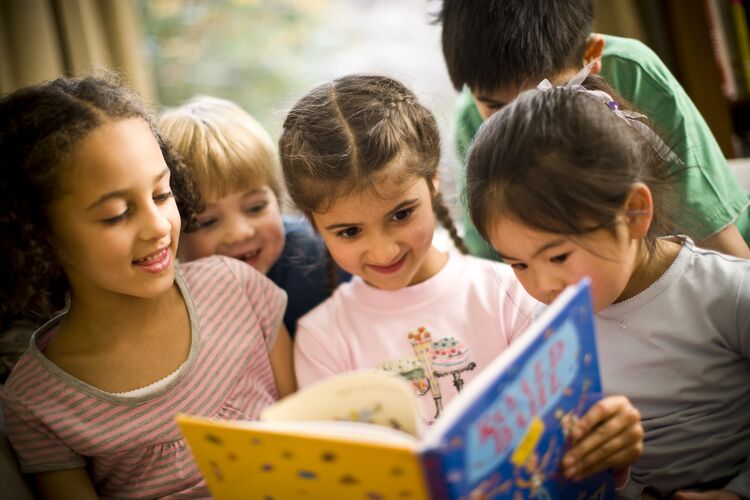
<point x="650" y="265"/>
<point x="109" y="319"/>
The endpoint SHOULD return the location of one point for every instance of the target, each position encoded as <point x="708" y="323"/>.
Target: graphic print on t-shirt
<point x="432" y="360"/>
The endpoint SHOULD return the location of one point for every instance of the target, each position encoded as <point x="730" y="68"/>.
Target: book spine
<point x="435" y="476"/>
<point x="743" y="38"/>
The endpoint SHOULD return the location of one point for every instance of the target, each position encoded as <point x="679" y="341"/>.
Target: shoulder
<point x="711" y="266"/>
<point x="216" y="269"/>
<point x="632" y="68"/>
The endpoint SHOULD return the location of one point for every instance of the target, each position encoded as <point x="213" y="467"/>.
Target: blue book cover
<point x="506" y="436"/>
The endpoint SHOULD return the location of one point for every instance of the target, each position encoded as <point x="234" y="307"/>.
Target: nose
<point x="548" y="284"/>
<point x="157" y="224"/>
<point x="383" y="249"/>
<point x="238" y="230"/>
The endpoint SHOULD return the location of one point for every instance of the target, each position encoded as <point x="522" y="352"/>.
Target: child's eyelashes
<point x="162" y="197"/>
<point x="403" y="214"/>
<point x="518" y="266"/>
<point x="559" y="259"/>
<point x="348" y="233"/>
<point x="256" y="208"/>
<point x="117" y="218"/>
<point x="208" y="223"/>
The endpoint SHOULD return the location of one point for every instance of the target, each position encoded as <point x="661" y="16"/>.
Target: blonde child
<point x="564" y="182"/>
<point x="89" y="201"/>
<point x="360" y="158"/>
<point x="234" y="162"/>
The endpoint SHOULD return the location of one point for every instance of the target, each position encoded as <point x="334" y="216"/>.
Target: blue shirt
<point x="302" y="271"/>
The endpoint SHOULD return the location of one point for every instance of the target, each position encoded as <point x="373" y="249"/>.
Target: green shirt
<point x="711" y="195"/>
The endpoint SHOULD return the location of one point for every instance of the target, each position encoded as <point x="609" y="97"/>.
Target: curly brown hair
<point x="342" y="133"/>
<point x="40" y="127"/>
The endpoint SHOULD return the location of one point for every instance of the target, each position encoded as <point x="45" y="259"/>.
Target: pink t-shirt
<point x="438" y="334"/>
<point x="131" y="445"/>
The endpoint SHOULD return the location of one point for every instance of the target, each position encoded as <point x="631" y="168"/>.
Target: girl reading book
<point x="360" y="158"/>
<point x="566" y="182"/>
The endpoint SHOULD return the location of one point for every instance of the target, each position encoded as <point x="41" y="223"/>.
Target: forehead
<point x="381" y="196"/>
<point x="113" y="156"/>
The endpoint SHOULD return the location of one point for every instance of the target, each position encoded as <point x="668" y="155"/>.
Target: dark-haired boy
<point x="494" y="49"/>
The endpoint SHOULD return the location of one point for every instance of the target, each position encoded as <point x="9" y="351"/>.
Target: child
<point x="565" y="184"/>
<point x="89" y="201"/>
<point x="236" y="169"/>
<point x="496" y="48"/>
<point x="360" y="157"/>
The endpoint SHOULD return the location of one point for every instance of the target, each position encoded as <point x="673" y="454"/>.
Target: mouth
<point x="250" y="257"/>
<point x="155" y="262"/>
<point x="390" y="268"/>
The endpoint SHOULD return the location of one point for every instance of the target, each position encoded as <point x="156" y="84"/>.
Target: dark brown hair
<point x="488" y="44"/>
<point x="338" y="137"/>
<point x="40" y="127"/>
<point x="563" y="161"/>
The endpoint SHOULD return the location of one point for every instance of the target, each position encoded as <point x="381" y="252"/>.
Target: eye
<point x="162" y="197"/>
<point x="518" y="266"/>
<point x="559" y="259"/>
<point x="208" y="223"/>
<point x="402" y="215"/>
<point x="348" y="233"/>
<point x="256" y="208"/>
<point x="117" y="218"/>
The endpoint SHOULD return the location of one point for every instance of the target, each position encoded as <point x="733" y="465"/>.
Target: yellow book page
<point x="252" y="461"/>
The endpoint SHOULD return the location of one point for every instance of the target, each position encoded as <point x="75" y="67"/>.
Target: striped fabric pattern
<point x="131" y="445"/>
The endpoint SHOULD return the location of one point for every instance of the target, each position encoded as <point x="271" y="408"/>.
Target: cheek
<point x="196" y="245"/>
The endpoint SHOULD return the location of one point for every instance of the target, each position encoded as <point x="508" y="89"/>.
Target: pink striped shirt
<point x="131" y="445"/>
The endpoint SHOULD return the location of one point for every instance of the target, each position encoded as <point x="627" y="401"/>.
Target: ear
<point x="639" y="211"/>
<point x="434" y="183"/>
<point x="593" y="51"/>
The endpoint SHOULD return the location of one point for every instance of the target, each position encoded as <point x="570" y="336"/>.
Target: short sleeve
<point x="267" y="300"/>
<point x="37" y="447"/>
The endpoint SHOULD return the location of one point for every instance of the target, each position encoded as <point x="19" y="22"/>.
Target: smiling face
<point x="116" y="223"/>
<point x="245" y="225"/>
<point x="384" y="237"/>
<point x="545" y="263"/>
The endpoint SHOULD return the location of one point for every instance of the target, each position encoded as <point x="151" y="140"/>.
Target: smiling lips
<point x="250" y="257"/>
<point x="389" y="269"/>
<point x="155" y="262"/>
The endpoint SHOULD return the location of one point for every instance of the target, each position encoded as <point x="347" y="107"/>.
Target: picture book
<point x="360" y="435"/>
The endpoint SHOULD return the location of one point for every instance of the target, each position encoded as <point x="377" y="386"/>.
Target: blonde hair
<point x="226" y="148"/>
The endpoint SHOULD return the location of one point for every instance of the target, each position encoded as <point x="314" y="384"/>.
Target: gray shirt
<point x="680" y="350"/>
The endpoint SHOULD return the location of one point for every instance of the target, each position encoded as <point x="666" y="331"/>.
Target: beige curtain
<point x="44" y="39"/>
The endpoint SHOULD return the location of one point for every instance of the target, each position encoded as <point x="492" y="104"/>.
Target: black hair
<point x="488" y="44"/>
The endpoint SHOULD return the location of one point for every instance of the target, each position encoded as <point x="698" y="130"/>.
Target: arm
<point x="282" y="363"/>
<point x="73" y="484"/>
<point x="728" y="241"/>
<point x="609" y="435"/>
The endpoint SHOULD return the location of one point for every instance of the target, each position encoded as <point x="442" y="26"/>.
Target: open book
<point x="503" y="437"/>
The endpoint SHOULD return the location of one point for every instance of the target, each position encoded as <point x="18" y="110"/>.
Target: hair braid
<point x="443" y="215"/>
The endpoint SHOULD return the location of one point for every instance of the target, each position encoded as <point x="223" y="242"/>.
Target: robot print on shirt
<point x="432" y="360"/>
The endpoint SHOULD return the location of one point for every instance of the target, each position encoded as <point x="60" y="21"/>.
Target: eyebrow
<point x="404" y="204"/>
<point x="546" y="246"/>
<point x="122" y="192"/>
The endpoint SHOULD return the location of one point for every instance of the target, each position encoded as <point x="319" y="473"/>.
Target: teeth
<point x="151" y="258"/>
<point x="252" y="254"/>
